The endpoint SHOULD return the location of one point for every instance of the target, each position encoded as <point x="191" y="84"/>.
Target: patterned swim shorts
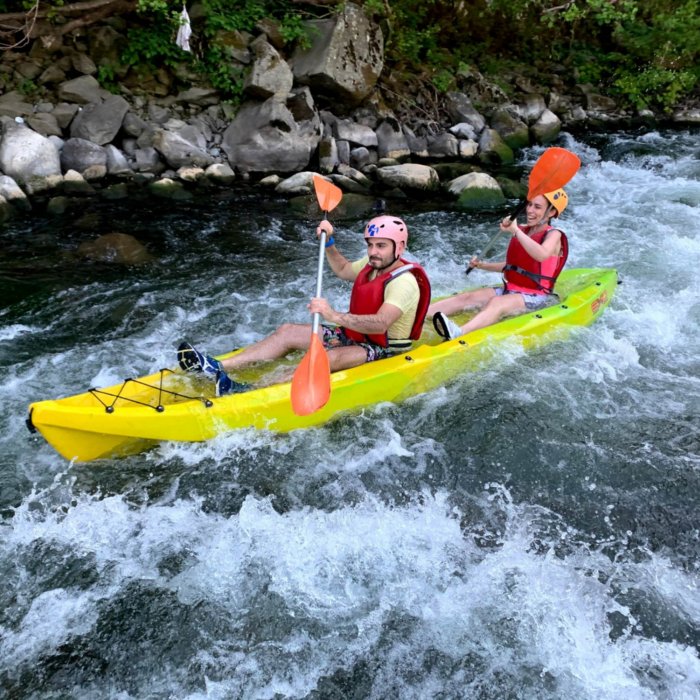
<point x="533" y="302"/>
<point x="334" y="337"/>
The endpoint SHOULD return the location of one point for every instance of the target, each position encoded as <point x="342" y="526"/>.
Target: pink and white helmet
<point x="390" y="227"/>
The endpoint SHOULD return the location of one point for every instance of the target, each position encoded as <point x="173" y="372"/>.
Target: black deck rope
<point x="109" y="407"/>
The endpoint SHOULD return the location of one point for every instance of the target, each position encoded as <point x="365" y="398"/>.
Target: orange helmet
<point x="558" y="199"/>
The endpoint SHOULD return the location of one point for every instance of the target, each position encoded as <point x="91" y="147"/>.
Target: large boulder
<point x="270" y="74"/>
<point x="461" y="110"/>
<point x="546" y="128"/>
<point x="409" y="176"/>
<point x="100" y="122"/>
<point x="80" y="154"/>
<point x="28" y="157"/>
<point x="512" y="129"/>
<point x="345" y="58"/>
<point x="180" y="148"/>
<point x="13" y="194"/>
<point x="391" y="141"/>
<point x="476" y="191"/>
<point x="82" y="90"/>
<point x="265" y="137"/>
<point x="493" y="149"/>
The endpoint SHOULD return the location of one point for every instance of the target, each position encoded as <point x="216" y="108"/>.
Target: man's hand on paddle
<point x="319" y="305"/>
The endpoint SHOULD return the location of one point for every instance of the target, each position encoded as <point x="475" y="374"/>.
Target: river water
<point x="530" y="531"/>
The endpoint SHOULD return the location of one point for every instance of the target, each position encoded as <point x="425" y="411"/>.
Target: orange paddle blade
<point x="554" y="168"/>
<point x="311" y="383"/>
<point x="327" y="194"/>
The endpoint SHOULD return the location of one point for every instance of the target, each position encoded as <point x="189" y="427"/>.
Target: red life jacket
<point x="522" y="271"/>
<point x="367" y="298"/>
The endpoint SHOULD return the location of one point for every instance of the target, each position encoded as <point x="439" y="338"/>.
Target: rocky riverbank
<point x="64" y="137"/>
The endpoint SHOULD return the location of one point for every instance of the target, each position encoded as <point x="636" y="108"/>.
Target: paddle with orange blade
<point x="311" y="383"/>
<point x="553" y="169"/>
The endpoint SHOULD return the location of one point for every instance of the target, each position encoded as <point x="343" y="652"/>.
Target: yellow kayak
<point x="169" y="405"/>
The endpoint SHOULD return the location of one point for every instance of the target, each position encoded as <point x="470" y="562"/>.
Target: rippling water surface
<point x="530" y="531"/>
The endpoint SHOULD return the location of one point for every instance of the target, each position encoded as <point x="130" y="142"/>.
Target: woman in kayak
<point x="536" y="255"/>
<point x="387" y="310"/>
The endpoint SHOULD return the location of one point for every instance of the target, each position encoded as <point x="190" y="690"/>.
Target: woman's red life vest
<point x="367" y="298"/>
<point x="522" y="271"/>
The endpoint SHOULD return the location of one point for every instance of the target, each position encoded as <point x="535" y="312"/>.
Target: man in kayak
<point x="536" y="255"/>
<point x="387" y="310"/>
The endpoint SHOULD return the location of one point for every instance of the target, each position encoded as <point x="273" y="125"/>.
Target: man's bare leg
<point x="288" y="337"/>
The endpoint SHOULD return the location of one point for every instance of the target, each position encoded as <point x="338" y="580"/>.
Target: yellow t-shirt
<point x="401" y="292"/>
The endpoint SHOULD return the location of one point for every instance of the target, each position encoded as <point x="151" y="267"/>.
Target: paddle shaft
<point x="319" y="275"/>
<point x="494" y="238"/>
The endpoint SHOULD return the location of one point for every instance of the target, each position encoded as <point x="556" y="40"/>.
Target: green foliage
<point x="152" y="44"/>
<point x="658" y="87"/>
<point x="28" y="87"/>
<point x="293" y="31"/>
<point x="645" y="52"/>
<point x="107" y="78"/>
<point x="444" y="80"/>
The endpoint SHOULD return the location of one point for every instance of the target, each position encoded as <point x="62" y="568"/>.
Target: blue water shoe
<point x="191" y="360"/>
<point x="226" y="385"/>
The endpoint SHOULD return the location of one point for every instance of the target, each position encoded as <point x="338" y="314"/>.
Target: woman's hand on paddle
<point x="509" y="225"/>
<point x="475" y="262"/>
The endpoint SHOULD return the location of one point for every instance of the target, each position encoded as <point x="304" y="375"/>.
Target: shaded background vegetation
<point x="643" y="53"/>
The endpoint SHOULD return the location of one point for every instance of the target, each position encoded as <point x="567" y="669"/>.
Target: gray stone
<point x="346" y="56"/>
<point x="417" y="144"/>
<point x="52" y="75"/>
<point x="361" y="156"/>
<point x="493" y="149"/>
<point x="270" y="75"/>
<point x="27" y="156"/>
<point x="133" y="125"/>
<point x="409" y="176"/>
<point x="79" y="154"/>
<point x="13" y="194"/>
<point x="116" y="161"/>
<point x="220" y="174"/>
<point x="82" y="63"/>
<point x="513" y="130"/>
<point x="476" y="191"/>
<point x="391" y="142"/>
<point x="348" y="130"/>
<point x="169" y="189"/>
<point x="546" y="128"/>
<point x="266" y="138"/>
<point x="530" y="107"/>
<point x="327" y="155"/>
<point x="82" y="90"/>
<point x="204" y="97"/>
<point x="100" y="122"/>
<point x="463" y="130"/>
<point x="148" y="161"/>
<point x="178" y="151"/>
<point x="443" y="145"/>
<point x="461" y="109"/>
<point x="299" y="183"/>
<point x="75" y="183"/>
<point x="44" y="124"/>
<point x="467" y="148"/>
<point x="57" y="205"/>
<point x="64" y="113"/>
<point x="12" y="105"/>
